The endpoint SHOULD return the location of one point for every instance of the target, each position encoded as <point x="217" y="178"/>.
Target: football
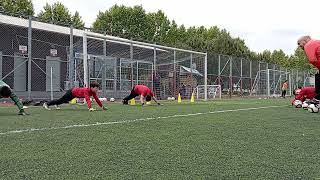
<point x="305" y="105"/>
<point x="103" y="99"/>
<point x="112" y="99"/>
<point x="313" y="109"/>
<point x="297" y="103"/>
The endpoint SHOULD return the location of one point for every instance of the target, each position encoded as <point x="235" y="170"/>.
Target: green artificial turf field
<point x="224" y="139"/>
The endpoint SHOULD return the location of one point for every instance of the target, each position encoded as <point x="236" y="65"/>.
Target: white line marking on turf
<point x="130" y="121"/>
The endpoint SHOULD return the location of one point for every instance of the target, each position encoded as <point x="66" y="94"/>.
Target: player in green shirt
<point x="6" y="92"/>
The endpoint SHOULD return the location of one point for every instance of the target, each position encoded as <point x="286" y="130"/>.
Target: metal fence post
<point x="85" y="61"/>
<point x="155" y="70"/>
<point x="241" y="92"/>
<point x="137" y="71"/>
<point x="267" y="70"/>
<point x="219" y="71"/>
<point x="259" y="77"/>
<point x="250" y="68"/>
<point x="71" y="60"/>
<point x="155" y="60"/>
<point x="191" y="75"/>
<point x="274" y="79"/>
<point x="290" y="82"/>
<point x="104" y="71"/>
<point x="131" y="62"/>
<point x="230" y="77"/>
<point x="120" y="74"/>
<point x="174" y="72"/>
<point x="51" y="83"/>
<point x="29" y="56"/>
<point x="115" y="77"/>
<point x="268" y="76"/>
<point x="205" y="77"/>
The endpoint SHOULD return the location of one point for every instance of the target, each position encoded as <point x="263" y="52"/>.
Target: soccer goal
<point x="269" y="82"/>
<point x="166" y="70"/>
<point x="213" y="91"/>
<point x="134" y="72"/>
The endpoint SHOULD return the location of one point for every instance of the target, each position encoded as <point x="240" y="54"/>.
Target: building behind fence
<point x="41" y="61"/>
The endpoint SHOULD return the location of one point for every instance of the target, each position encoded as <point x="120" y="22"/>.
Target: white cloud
<point x="268" y="24"/>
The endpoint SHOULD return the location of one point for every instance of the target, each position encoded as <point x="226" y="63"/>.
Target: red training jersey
<point x="312" y="50"/>
<point x="305" y="93"/>
<point x="86" y="93"/>
<point x="143" y="90"/>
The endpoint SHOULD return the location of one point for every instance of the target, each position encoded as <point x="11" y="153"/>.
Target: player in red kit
<point x="304" y="93"/>
<point x="78" y="93"/>
<point x="311" y="48"/>
<point x="143" y="91"/>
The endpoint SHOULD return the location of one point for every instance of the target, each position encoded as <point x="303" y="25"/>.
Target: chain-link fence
<point x="40" y="61"/>
<point x="121" y="64"/>
<point x="242" y="77"/>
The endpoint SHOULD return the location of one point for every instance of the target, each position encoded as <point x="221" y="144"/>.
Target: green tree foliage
<point x="160" y="26"/>
<point x="77" y="22"/>
<point x="128" y="22"/>
<point x="60" y="15"/>
<point x="299" y="60"/>
<point x="264" y="56"/>
<point x="17" y="7"/>
<point x="279" y="57"/>
<point x="135" y="23"/>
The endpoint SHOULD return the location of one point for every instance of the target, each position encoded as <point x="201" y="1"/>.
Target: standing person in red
<point x="312" y="49"/>
<point x="304" y="93"/>
<point x="143" y="91"/>
<point x="78" y="93"/>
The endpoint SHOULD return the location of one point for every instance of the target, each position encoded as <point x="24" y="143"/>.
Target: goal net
<point x="123" y="63"/>
<point x="213" y="91"/>
<point x="269" y="82"/>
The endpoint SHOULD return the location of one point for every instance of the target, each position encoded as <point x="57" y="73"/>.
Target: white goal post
<point x="193" y="56"/>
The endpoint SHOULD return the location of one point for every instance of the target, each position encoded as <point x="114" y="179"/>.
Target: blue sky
<point x="263" y="24"/>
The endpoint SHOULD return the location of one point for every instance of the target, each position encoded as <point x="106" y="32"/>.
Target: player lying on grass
<point x="6" y="92"/>
<point x="78" y="93"/>
<point x="143" y="91"/>
<point x="304" y="93"/>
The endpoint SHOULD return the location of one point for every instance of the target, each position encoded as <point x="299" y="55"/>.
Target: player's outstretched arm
<point x="89" y="103"/>
<point x="155" y="100"/>
<point x="142" y="100"/>
<point x="99" y="102"/>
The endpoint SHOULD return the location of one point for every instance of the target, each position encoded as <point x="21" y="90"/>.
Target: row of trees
<point x="55" y="14"/>
<point x="20" y="7"/>
<point x="135" y="23"/>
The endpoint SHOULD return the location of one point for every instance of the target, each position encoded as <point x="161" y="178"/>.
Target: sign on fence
<point x="23" y="49"/>
<point x="53" y="52"/>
